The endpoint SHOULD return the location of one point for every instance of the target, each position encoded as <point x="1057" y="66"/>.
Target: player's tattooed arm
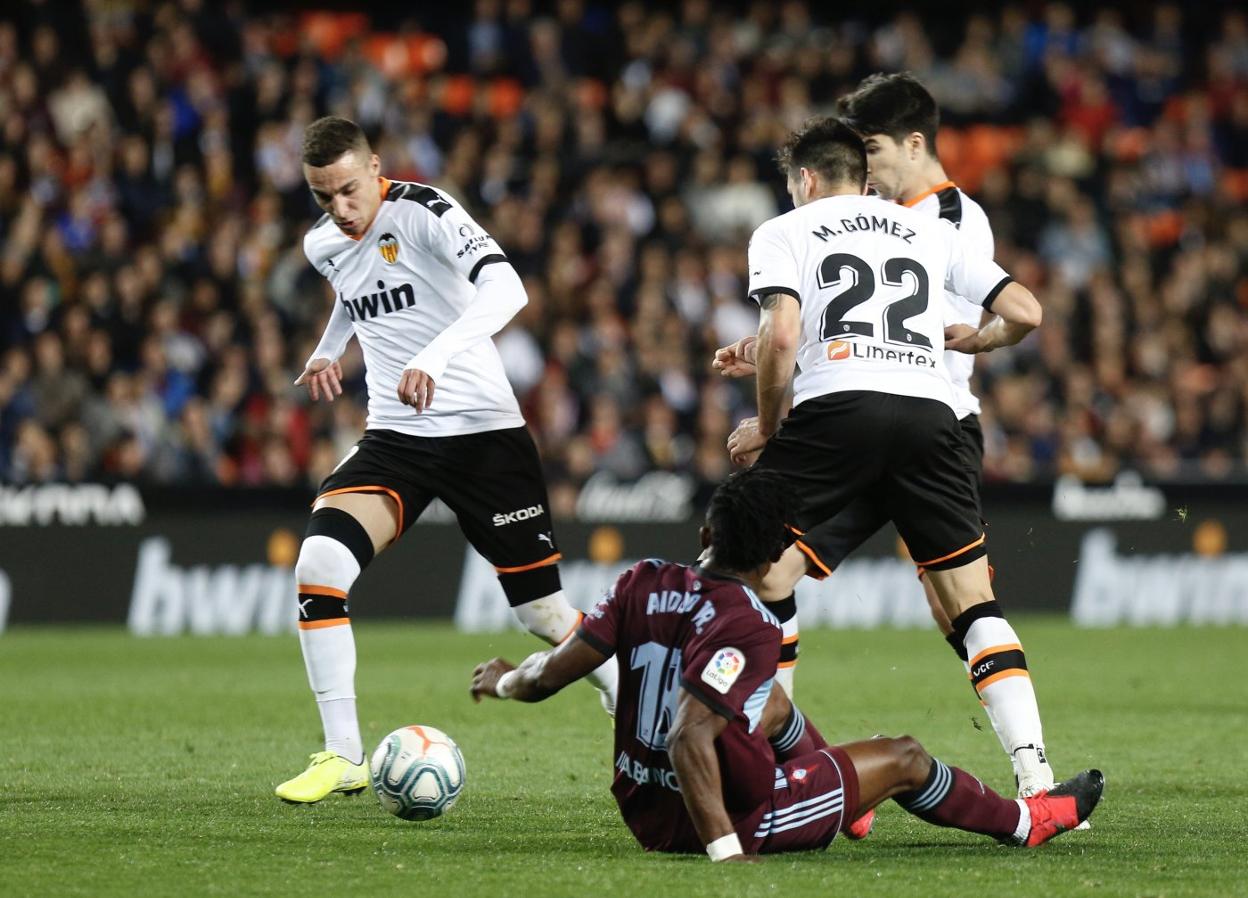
<point x="775" y="354"/>
<point x="691" y="746"/>
<point x="740" y="359"/>
<point x="779" y="333"/>
<point x="540" y="675"/>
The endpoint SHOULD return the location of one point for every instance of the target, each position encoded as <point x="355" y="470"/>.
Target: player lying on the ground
<point x="707" y="754"/>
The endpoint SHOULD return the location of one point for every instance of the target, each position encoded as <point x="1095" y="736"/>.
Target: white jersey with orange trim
<point x="949" y="202"/>
<point x="870" y="277"/>
<point x="405" y="281"/>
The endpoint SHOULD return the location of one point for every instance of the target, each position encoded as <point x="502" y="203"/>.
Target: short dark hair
<point x="326" y="139"/>
<point x="749" y="516"/>
<point x="827" y="146"/>
<point x="896" y="105"/>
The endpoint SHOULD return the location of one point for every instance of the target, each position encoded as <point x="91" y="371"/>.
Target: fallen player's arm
<point x="540" y="675"/>
<point x="691" y="746"/>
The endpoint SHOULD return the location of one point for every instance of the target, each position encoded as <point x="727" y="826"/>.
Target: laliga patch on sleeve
<point x="723" y="669"/>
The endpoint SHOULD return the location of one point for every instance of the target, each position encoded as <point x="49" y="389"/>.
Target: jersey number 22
<point x="832" y="273"/>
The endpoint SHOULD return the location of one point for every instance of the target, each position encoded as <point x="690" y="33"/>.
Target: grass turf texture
<point x="146" y="767"/>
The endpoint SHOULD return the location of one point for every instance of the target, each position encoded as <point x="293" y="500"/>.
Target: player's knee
<point x="912" y="761"/>
<point x="783" y="576"/>
<point x="523" y="587"/>
<point x="335" y="548"/>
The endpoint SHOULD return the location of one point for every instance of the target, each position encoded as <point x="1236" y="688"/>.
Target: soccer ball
<point x="417" y="773"/>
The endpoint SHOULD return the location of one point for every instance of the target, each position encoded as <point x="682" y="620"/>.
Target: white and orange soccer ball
<point x="417" y="772"/>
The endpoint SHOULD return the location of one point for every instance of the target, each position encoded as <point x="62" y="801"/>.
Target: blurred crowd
<point x="155" y="304"/>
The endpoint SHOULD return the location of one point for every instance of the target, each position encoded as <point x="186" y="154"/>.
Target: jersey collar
<point x="384" y="184"/>
<point x="712" y="574"/>
<point x="943" y="185"/>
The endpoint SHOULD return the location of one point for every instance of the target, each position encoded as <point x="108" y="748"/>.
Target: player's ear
<point x="809" y="182"/>
<point x="704" y="535"/>
<point x="374" y="164"/>
<point x="916" y="143"/>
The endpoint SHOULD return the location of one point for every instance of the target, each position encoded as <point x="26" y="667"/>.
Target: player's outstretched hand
<point x="737" y="360"/>
<point x="746" y="443"/>
<point x="416" y="389"/>
<point x="963" y="338"/>
<point x="485" y="678"/>
<point x="323" y="377"/>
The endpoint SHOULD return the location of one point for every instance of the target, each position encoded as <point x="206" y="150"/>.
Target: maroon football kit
<point x="672" y="626"/>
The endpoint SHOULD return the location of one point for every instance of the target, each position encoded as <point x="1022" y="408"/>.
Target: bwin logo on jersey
<point x="388" y="246"/>
<point x="370" y="305"/>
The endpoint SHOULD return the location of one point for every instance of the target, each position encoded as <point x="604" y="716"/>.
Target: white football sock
<point x="339" y="718"/>
<point x="784" y="673"/>
<point x="785" y="611"/>
<point x="992" y="720"/>
<point x="552" y="619"/>
<point x="328" y="644"/>
<point x="999" y="672"/>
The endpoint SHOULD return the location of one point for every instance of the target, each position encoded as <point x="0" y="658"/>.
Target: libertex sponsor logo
<point x="839" y="350"/>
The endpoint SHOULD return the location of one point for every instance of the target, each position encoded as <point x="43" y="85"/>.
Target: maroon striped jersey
<point x="672" y="626"/>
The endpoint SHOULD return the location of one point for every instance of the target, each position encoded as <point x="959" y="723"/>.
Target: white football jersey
<point x="870" y="277"/>
<point x="404" y="282"/>
<point x="948" y="202"/>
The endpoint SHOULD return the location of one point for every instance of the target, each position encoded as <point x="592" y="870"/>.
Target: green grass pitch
<point x="146" y="767"/>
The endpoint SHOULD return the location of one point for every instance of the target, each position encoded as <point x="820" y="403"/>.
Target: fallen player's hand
<point x="742" y="859"/>
<point x="485" y="678"/>
<point x="746" y="443"/>
<point x="416" y="389"/>
<point x="737" y="360"/>
<point x="323" y="377"/>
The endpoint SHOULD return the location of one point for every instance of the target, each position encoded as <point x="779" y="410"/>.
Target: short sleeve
<point x="731" y="669"/>
<point x="976" y="232"/>
<point x="451" y="234"/>
<point x="601" y="625"/>
<point x="773" y="265"/>
<point x="972" y="275"/>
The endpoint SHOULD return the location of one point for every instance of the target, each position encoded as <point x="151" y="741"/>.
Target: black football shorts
<point x="835" y="539"/>
<point x="492" y="481"/>
<point x="860" y="459"/>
